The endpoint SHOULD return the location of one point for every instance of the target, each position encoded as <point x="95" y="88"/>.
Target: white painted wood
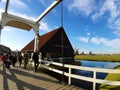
<point x="69" y="79"/>
<point x="56" y="2"/>
<point x="94" y="78"/>
<point x="18" y="22"/>
<point x="52" y="69"/>
<point x="108" y="82"/>
<point x="94" y="70"/>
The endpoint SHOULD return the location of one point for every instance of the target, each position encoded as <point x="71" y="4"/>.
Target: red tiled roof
<point x="42" y="40"/>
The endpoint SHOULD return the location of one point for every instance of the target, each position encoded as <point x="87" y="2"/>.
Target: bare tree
<point x="76" y="51"/>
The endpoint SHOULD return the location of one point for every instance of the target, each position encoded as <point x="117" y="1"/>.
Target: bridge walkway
<point x="17" y="78"/>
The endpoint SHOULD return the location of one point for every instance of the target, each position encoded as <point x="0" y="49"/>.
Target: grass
<point x="111" y="77"/>
<point x="108" y="58"/>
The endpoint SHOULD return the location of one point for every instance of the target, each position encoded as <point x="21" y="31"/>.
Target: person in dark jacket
<point x="14" y="60"/>
<point x="20" y="59"/>
<point x="35" y="58"/>
<point x="9" y="58"/>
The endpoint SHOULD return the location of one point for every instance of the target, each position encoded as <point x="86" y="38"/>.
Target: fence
<point x="93" y="79"/>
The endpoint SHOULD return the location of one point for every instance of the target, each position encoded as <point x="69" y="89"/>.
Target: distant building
<point x="4" y="49"/>
<point x="54" y="44"/>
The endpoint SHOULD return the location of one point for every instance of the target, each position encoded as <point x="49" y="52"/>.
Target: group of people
<point x="9" y="59"/>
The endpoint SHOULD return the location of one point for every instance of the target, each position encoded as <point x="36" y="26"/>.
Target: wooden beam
<point x="55" y="3"/>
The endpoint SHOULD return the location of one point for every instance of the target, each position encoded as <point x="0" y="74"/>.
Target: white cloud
<point x="45" y="2"/>
<point x="3" y="1"/>
<point x="18" y="4"/>
<point x="82" y="6"/>
<point x="115" y="25"/>
<point x="107" y="6"/>
<point x="44" y="26"/>
<point x="114" y="43"/>
<point x="111" y="8"/>
<point x="18" y="14"/>
<point x="84" y="39"/>
<point x="88" y="33"/>
<point x="97" y="40"/>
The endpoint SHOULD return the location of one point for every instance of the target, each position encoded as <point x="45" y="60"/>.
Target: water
<point x="96" y="64"/>
<point x="99" y="64"/>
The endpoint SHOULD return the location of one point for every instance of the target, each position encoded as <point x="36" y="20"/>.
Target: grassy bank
<point x="109" y="58"/>
<point x="111" y="77"/>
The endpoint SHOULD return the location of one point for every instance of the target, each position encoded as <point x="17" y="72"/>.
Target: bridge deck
<point x="18" y="78"/>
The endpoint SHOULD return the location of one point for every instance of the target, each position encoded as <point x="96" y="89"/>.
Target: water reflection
<point x="96" y="64"/>
<point x="99" y="64"/>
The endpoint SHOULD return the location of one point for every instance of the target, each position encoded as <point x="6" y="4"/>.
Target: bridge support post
<point x="36" y="41"/>
<point x="69" y="79"/>
<point x="94" y="82"/>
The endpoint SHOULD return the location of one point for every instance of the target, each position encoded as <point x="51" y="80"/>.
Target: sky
<point x="91" y="25"/>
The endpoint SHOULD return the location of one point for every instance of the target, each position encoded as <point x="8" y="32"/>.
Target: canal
<point x="96" y="64"/>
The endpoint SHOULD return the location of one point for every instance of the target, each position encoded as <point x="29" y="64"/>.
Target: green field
<point x="108" y="58"/>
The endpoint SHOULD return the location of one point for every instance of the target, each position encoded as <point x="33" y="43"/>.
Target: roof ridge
<point x="53" y="30"/>
<point x="46" y="37"/>
<point x="43" y="39"/>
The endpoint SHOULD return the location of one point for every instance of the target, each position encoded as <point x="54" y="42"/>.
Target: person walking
<point x="3" y="58"/>
<point x="20" y="59"/>
<point x="8" y="60"/>
<point x="35" y="58"/>
<point x="14" y="60"/>
<point x="25" y="60"/>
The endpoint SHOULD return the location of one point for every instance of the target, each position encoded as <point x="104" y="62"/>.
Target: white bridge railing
<point x="94" y="80"/>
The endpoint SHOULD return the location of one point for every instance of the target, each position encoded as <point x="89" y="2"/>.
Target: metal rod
<point x="0" y="34"/>
<point x="61" y="14"/>
<point x="6" y="7"/>
<point x="56" y="2"/>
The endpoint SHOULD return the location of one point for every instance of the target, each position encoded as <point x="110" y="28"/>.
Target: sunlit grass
<point x="113" y="77"/>
<point x="113" y="58"/>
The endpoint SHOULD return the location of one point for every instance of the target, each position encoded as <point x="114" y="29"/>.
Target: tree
<point x="90" y="52"/>
<point x="76" y="51"/>
<point x="82" y="53"/>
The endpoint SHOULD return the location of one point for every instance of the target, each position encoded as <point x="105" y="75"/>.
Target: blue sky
<point x="91" y="25"/>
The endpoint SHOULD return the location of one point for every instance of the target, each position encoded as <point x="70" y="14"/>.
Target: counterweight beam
<point x="55" y="3"/>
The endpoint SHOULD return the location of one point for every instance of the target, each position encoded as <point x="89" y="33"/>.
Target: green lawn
<point x="109" y="58"/>
<point x="111" y="77"/>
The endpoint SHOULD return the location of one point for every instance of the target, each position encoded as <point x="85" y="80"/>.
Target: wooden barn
<point x="54" y="44"/>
